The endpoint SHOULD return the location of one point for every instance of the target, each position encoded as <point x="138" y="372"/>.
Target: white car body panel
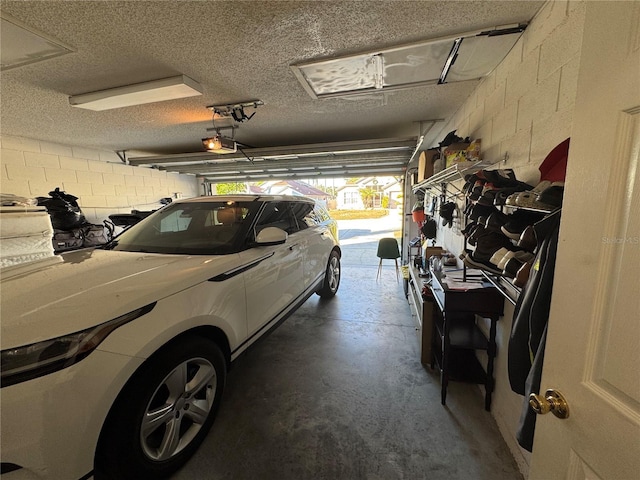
<point x="274" y="284"/>
<point x="51" y="424"/>
<point x="54" y="437"/>
<point x="112" y="283"/>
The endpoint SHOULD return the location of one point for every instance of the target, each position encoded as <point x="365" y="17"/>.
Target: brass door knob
<point x="553" y="401"/>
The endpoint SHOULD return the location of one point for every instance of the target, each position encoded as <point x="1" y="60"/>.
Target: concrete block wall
<point x="102" y="182"/>
<point x="521" y="111"/>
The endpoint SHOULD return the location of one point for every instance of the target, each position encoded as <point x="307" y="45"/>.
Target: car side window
<point x="277" y="214"/>
<point x="311" y="219"/>
<point x="321" y="214"/>
<point x="303" y="212"/>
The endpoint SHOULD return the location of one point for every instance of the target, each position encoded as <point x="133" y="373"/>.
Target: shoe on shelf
<point x="500" y="177"/>
<point x="488" y="244"/>
<point x="470" y="262"/>
<point x="478" y="211"/>
<point x="470" y="181"/>
<point x="511" y="267"/>
<point x="552" y="195"/>
<point x="477" y="232"/>
<point x="528" y="239"/>
<point x="501" y="196"/>
<point x="510" y="201"/>
<point x="476" y="190"/>
<point x="467" y="208"/>
<point x="523" y="274"/>
<point x="487" y="199"/>
<point x="543" y="185"/>
<point x="518" y="221"/>
<point x="466" y="231"/>
<point x="531" y="200"/>
<point x="521" y="255"/>
<point x="496" y="220"/>
<point x="512" y="230"/>
<point x="499" y="255"/>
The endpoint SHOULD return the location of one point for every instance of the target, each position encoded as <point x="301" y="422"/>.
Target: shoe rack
<point x="450" y="174"/>
<point x="504" y="285"/>
<point x="446" y="178"/>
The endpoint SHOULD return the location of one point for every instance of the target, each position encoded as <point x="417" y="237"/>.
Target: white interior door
<point x="593" y="345"/>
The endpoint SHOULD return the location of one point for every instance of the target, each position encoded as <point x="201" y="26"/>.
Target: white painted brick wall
<point x="103" y="184"/>
<point x="526" y="103"/>
<point x="523" y="109"/>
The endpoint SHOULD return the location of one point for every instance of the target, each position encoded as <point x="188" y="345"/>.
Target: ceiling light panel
<point x="171" y="88"/>
<point x="22" y="45"/>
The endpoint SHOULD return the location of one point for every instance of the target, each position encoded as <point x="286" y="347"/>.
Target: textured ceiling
<point x="238" y="51"/>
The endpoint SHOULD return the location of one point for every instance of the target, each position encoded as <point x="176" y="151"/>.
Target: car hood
<point x="68" y="293"/>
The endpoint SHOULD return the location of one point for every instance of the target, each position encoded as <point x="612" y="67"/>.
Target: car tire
<point x="164" y="412"/>
<point x="331" y="276"/>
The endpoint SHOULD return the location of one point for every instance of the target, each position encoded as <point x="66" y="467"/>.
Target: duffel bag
<point x="64" y="240"/>
<point x="95" y="235"/>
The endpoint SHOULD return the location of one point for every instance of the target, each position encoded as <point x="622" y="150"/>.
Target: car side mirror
<point x="271" y="236"/>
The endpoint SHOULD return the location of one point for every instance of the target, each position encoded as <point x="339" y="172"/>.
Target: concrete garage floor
<point x="338" y="392"/>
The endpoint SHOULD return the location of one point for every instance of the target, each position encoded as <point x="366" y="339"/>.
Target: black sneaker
<point x="496" y="220"/>
<point x="476" y="190"/>
<point x="504" y="177"/>
<point x="477" y="232"/>
<point x="552" y="195"/>
<point x="518" y="221"/>
<point x="478" y="211"/>
<point x="469" y="229"/>
<point x="470" y="262"/>
<point x="488" y="244"/>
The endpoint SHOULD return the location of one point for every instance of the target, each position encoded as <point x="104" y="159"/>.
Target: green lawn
<point x="358" y="214"/>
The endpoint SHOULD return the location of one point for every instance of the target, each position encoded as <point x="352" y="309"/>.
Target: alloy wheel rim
<point x="334" y="273"/>
<point x="178" y="409"/>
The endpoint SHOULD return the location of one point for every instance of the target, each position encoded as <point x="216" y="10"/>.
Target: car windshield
<point x="193" y="228"/>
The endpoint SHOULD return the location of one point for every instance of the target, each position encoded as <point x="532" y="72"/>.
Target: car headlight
<point x="31" y="361"/>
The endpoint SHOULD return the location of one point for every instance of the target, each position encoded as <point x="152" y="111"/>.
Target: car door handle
<point x="291" y="246"/>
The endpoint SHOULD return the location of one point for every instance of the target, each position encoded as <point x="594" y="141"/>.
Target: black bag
<point x="64" y="240"/>
<point x="429" y="228"/>
<point x="63" y="209"/>
<point x="94" y="235"/>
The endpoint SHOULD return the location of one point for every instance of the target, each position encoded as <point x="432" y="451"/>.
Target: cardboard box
<point x="455" y="153"/>
<point x="428" y="252"/>
<point x="462" y="152"/>
<point x="425" y="163"/>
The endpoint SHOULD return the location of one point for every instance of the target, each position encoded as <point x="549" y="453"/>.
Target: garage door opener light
<point x="219" y="144"/>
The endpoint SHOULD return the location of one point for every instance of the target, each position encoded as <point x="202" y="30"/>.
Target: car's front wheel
<point x="164" y="412"/>
<point x="331" y="276"/>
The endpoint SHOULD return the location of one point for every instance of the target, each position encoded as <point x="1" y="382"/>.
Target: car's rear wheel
<point x="164" y="413"/>
<point x="331" y="276"/>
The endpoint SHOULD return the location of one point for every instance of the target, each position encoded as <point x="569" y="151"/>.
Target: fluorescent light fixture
<point x="138" y="94"/>
<point x="23" y="45"/>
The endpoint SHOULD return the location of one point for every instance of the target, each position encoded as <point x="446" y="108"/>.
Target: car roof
<point x="247" y="198"/>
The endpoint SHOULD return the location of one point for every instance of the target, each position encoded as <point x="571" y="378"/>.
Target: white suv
<point x="114" y="359"/>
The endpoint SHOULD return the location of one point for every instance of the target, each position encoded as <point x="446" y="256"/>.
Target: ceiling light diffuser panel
<point x="170" y="88"/>
<point x="22" y="45"/>
<point x="457" y="58"/>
